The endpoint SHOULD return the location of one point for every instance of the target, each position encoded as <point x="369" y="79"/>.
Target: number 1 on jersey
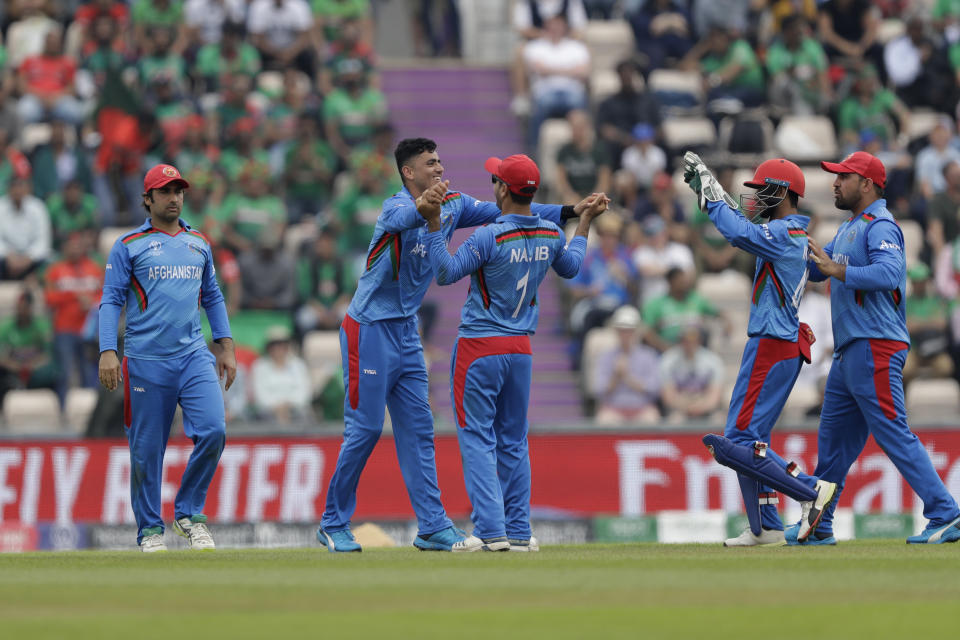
<point x="521" y="284"/>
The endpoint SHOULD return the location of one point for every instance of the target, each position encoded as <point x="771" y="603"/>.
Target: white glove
<point x="704" y="184"/>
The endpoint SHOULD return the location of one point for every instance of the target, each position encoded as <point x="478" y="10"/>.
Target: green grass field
<point x="862" y="589"/>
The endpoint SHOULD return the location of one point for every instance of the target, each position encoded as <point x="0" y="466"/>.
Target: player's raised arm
<point x="773" y="180"/>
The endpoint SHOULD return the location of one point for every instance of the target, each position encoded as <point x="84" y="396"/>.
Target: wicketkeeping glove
<point x="703" y="183"/>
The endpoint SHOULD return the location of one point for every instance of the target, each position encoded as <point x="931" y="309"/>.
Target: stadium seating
<point x="609" y="42"/>
<point x="674" y="87"/>
<point x="922" y="122"/>
<point x="80" y="404"/>
<point x="9" y="293"/>
<point x="688" y="132"/>
<point x="818" y="195"/>
<point x="912" y="240"/>
<point x="597" y="341"/>
<point x="933" y="399"/>
<point x="32" y="411"/>
<point x="890" y="29"/>
<point x="296" y="235"/>
<point x="734" y="129"/>
<point x="603" y="84"/>
<point x="725" y="289"/>
<point x="321" y="352"/>
<point x="108" y="236"/>
<point x="554" y="133"/>
<point x="806" y="139"/>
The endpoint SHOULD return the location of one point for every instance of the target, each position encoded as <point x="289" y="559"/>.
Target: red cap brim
<point x="836" y="167"/>
<point x="493" y="165"/>
<point x="163" y="183"/>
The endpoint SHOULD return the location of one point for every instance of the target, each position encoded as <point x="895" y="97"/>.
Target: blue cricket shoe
<point x="442" y="540"/>
<point x="338" y="541"/>
<point x="949" y="532"/>
<point x="790" y="535"/>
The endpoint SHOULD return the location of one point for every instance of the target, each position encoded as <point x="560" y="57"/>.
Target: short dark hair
<point x="673" y="272"/>
<point x="877" y="189"/>
<point x="146" y="194"/>
<point x="794" y="199"/>
<point x="411" y="148"/>
<point x="516" y="199"/>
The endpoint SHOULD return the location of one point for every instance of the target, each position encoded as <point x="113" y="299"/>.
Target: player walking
<point x="864" y="393"/>
<point x="491" y="362"/>
<point x="777" y="346"/>
<point x="382" y="355"/>
<point x="163" y="273"/>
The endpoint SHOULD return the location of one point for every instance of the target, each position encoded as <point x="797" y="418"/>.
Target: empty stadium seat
<point x="296" y="235"/>
<point x="321" y="347"/>
<point x="688" y="199"/>
<point x="9" y="294"/>
<point x="912" y="240"/>
<point x="825" y="230"/>
<point x="726" y="288"/>
<point x="758" y="123"/>
<point x="80" y="404"/>
<point x="597" y="341"/>
<point x="806" y="138"/>
<point x="922" y="122"/>
<point x="609" y="42"/>
<point x="32" y="411"/>
<point x="671" y="86"/>
<point x="686" y="132"/>
<point x="818" y="195"/>
<point x="603" y="84"/>
<point x="890" y="29"/>
<point x="108" y="236"/>
<point x="34" y="135"/>
<point x="554" y="133"/>
<point x="270" y="82"/>
<point x="933" y="398"/>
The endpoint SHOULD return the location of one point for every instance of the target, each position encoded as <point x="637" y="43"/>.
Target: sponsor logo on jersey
<point x="539" y="252"/>
<point x="195" y="247"/>
<point x="175" y="272"/>
<point x="841" y="258"/>
<point x="140" y="389"/>
<point x="109" y="266"/>
<point x="889" y="245"/>
<point x="156" y="247"/>
<point x="419" y="249"/>
<point x="370" y="372"/>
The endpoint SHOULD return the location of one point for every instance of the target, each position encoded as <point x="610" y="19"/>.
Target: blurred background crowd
<point x="279" y="114"/>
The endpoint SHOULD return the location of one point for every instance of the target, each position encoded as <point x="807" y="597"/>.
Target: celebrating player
<point x="382" y="355"/>
<point x="163" y="272"/>
<point x="491" y="363"/>
<point x="777" y="346"/>
<point x="864" y="393"/>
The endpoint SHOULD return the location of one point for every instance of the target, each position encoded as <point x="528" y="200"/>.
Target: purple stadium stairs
<point x="467" y="112"/>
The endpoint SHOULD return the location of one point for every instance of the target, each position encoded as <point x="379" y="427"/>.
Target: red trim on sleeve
<point x="469" y="349"/>
<point x="352" y="328"/>
<point x="881" y="351"/>
<point x="770" y="351"/>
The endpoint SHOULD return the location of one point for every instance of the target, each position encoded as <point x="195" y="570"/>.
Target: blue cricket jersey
<point x="163" y="280"/>
<point x="506" y="261"/>
<point x="871" y="302"/>
<point x="781" y="272"/>
<point x="397" y="273"/>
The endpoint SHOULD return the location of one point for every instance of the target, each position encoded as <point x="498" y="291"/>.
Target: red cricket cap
<point x="861" y="163"/>
<point x="781" y="172"/>
<point x="161" y="175"/>
<point x="518" y="172"/>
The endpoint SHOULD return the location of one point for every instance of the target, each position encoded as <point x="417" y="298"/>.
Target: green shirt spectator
<point x="309" y="169"/>
<point x="25" y="349"/>
<point x="669" y="316"/>
<point x="168" y="66"/>
<point x="739" y="53"/>
<point x="216" y="60"/>
<point x="333" y="12"/>
<point x="582" y="167"/>
<point x="355" y="115"/>
<point x="71" y="210"/>
<point x="357" y="212"/>
<point x="946" y="8"/>
<point x="854" y="115"/>
<point x="157" y="13"/>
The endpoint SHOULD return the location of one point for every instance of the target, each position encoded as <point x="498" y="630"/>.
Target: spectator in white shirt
<point x="558" y="67"/>
<point x="692" y="379"/>
<point x="932" y="159"/>
<point x="640" y="163"/>
<point x="657" y="256"/>
<point x="24" y="231"/>
<point x="529" y="16"/>
<point x="205" y="18"/>
<point x="281" y="381"/>
<point x="282" y="31"/>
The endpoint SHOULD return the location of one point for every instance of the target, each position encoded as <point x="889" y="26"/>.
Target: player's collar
<point x="799" y="219"/>
<point x="516" y="218"/>
<point x="147" y="225"/>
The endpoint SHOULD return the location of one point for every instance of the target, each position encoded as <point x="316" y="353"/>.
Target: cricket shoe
<point x="949" y="532"/>
<point x="812" y="510"/>
<point x="473" y="543"/>
<point x="443" y="540"/>
<point x="767" y="538"/>
<point x="153" y="542"/>
<point x="814" y="540"/>
<point x="195" y="530"/>
<point x="338" y="541"/>
<point x="524" y="544"/>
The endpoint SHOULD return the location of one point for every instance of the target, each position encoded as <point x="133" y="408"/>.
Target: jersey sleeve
<point x="478" y="212"/>
<point x="569" y="258"/>
<point x="768" y="241"/>
<point x="885" y="255"/>
<point x="399" y="214"/>
<point x="815" y="274"/>
<point x="116" y="283"/>
<point x="474" y="252"/>
<point x="211" y="298"/>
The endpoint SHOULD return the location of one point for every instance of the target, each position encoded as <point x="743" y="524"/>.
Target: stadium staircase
<point x="467" y="112"/>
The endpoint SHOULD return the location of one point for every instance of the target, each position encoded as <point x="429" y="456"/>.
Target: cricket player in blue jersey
<point x="864" y="392"/>
<point x="491" y="362"/>
<point x="382" y="355"/>
<point x="777" y="346"/>
<point x="163" y="273"/>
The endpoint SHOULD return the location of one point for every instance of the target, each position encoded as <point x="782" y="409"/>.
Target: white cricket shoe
<point x="812" y="511"/>
<point x="152" y="543"/>
<point x="473" y="543"/>
<point x="524" y="545"/>
<point x="196" y="533"/>
<point x="767" y="538"/>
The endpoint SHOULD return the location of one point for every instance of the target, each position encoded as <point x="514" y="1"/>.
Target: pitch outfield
<point x="857" y="590"/>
